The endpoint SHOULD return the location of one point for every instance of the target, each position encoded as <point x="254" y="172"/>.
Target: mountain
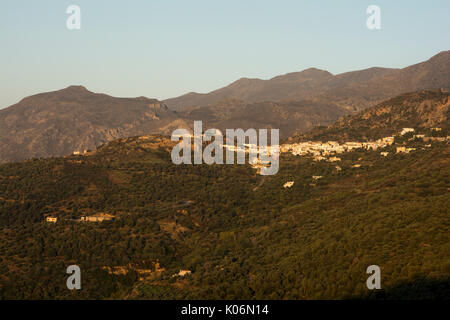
<point x="351" y="90"/>
<point x="242" y="236"/>
<point x="284" y="87"/>
<point x="75" y="119"/>
<point x="422" y="110"/>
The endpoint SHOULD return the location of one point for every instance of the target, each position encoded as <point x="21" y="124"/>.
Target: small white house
<point x="334" y="159"/>
<point x="288" y="184"/>
<point x="406" y="130"/>
<point x="183" y="273"/>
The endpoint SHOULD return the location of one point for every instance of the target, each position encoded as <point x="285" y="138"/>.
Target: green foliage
<point x="242" y="235"/>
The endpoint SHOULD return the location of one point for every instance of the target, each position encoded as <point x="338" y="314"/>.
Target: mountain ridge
<point x="75" y="119"/>
<point x="312" y="82"/>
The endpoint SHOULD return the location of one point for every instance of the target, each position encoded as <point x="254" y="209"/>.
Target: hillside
<point x="288" y="116"/>
<point x="241" y="235"/>
<point x="75" y="119"/>
<point x="354" y="90"/>
<point x="422" y="110"/>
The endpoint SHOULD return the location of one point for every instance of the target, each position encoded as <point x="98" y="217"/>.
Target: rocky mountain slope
<point x="75" y="119"/>
<point x="422" y="110"/>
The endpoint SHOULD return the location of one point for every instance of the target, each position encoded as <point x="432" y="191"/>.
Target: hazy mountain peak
<point x="304" y="75"/>
<point x="315" y="72"/>
<point x="441" y="55"/>
<point x="244" y="81"/>
<point x="75" y="88"/>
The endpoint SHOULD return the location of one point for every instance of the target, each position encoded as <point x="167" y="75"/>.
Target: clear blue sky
<point x="165" y="48"/>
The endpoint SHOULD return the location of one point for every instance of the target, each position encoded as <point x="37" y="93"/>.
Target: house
<point x="356" y="165"/>
<point x="182" y="273"/>
<point x="288" y="184"/>
<point x="317" y="177"/>
<point x="353" y="145"/>
<point x="387" y="140"/>
<point x="334" y="159"/>
<point x="405" y="149"/>
<point x="440" y="139"/>
<point x="51" y="219"/>
<point x="406" y="130"/>
<point x="436" y="129"/>
<point x="97" y="218"/>
<point x="384" y="154"/>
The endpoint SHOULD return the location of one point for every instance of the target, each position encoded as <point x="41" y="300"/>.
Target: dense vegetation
<point x="242" y="235"/>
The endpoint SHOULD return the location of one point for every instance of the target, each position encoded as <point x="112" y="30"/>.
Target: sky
<point x="166" y="48"/>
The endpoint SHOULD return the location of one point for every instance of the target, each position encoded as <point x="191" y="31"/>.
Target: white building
<point x="288" y="184"/>
<point x="406" y="130"/>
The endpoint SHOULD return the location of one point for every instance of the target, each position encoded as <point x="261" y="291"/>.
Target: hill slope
<point x="421" y="110"/>
<point x="74" y="119"/>
<point x="241" y="235"/>
<point x="287" y="116"/>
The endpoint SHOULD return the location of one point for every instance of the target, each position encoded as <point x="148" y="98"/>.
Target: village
<point x="328" y="150"/>
<point x="320" y="151"/>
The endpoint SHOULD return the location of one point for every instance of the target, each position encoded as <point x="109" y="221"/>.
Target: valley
<point x="232" y="233"/>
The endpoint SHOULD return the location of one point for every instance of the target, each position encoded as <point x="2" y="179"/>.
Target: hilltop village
<point x="320" y="150"/>
<point x="328" y="150"/>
